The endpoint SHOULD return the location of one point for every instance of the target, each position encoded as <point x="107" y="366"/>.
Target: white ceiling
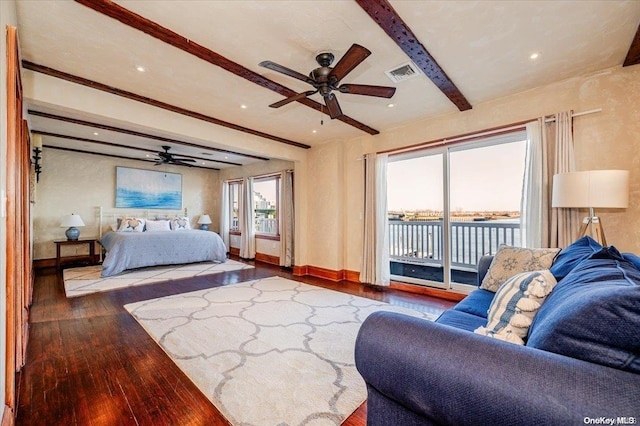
<point x="483" y="46"/>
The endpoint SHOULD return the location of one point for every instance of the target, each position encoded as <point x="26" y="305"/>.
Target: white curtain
<point x="549" y="151"/>
<point x="375" y="258"/>
<point x="533" y="188"/>
<point x="285" y="218"/>
<point x="224" y="214"/>
<point x="247" y="222"/>
<point x="565" y="223"/>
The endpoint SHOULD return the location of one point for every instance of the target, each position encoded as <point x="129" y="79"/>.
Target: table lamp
<point x="204" y="221"/>
<point x="72" y="222"/>
<point x="591" y="189"/>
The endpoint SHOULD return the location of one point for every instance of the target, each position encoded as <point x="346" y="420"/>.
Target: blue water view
<point x="171" y="200"/>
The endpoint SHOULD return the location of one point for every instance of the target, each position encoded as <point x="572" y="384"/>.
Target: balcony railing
<point x="420" y="242"/>
<point x="263" y="225"/>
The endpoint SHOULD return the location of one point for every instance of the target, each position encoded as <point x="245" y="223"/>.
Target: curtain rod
<point x="577" y="114"/>
<point x="466" y="137"/>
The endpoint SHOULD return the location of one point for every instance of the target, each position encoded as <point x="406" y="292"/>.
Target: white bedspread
<point x="129" y="250"/>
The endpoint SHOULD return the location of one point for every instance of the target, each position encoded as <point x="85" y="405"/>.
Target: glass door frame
<point x="445" y="152"/>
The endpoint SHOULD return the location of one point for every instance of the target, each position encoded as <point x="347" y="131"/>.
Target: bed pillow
<point x="180" y="223"/>
<point x="510" y="261"/>
<point x="515" y="305"/>
<point x="131" y="224"/>
<point x="157" y="225"/>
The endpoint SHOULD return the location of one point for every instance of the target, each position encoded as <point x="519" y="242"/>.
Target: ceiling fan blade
<point x="182" y="163"/>
<point x="367" y="90"/>
<point x="293" y="98"/>
<point x="183" y="159"/>
<point x="333" y="106"/>
<point x="348" y="62"/>
<point x="286" y="71"/>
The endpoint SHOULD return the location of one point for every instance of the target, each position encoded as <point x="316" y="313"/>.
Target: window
<point x="234" y="205"/>
<point x="265" y="201"/>
<point x="448" y="206"/>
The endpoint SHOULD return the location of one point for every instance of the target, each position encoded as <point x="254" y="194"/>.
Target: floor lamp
<point x="591" y="189"/>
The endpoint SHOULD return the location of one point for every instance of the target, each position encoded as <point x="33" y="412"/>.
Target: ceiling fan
<point x="326" y="79"/>
<point x="167" y="158"/>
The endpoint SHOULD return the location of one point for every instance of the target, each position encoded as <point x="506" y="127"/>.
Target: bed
<point x="131" y="250"/>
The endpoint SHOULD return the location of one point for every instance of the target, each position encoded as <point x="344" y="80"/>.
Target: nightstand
<point x="90" y="259"/>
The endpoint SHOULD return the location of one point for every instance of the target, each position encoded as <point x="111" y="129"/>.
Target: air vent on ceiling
<point x="403" y="72"/>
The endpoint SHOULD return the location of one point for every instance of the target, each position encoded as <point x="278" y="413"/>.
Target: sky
<point x="482" y="179"/>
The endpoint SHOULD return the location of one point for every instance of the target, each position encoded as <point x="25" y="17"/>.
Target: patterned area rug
<point x="267" y="352"/>
<point x="87" y="280"/>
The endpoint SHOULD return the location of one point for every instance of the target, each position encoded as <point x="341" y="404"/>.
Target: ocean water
<point x="170" y="200"/>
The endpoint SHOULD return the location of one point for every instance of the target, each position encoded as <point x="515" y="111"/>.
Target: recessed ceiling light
<point x="314" y="131"/>
<point x="203" y="163"/>
<point x="226" y="158"/>
<point x="96" y="133"/>
<point x="534" y="55"/>
<point x="148" y="155"/>
<point x="391" y="105"/>
<point x="140" y="68"/>
<point x="243" y="106"/>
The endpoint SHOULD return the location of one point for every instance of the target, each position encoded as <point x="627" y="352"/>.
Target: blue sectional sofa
<point x="580" y="363"/>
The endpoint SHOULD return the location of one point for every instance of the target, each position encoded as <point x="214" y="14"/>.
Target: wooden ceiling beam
<point x="117" y="145"/>
<point x="118" y="156"/>
<point x="139" y="134"/>
<point x="633" y="55"/>
<point x="388" y="19"/>
<point x="159" y="104"/>
<point x="174" y="39"/>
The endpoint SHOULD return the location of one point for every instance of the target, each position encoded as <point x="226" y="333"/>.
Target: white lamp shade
<point x="71" y="220"/>
<point x="593" y="188"/>
<point x="204" y="220"/>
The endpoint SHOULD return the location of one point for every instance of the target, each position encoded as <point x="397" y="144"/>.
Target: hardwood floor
<point x="90" y="363"/>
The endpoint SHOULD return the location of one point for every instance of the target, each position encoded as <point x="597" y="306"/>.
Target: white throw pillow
<point x="180" y="223"/>
<point x="157" y="225"/>
<point x="515" y="305"/>
<point x="510" y="261"/>
<point x="131" y="224"/>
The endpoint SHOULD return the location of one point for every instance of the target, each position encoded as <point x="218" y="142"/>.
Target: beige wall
<point x="80" y="183"/>
<point x="609" y="139"/>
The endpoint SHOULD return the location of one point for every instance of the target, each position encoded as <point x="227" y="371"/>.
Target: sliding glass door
<point x="448" y="206"/>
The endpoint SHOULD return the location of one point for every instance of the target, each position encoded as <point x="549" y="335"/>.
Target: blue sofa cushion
<point x="572" y="255"/>
<point x="592" y="314"/>
<point x="476" y="303"/>
<point x="461" y="320"/>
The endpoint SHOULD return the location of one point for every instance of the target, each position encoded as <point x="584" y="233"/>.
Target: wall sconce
<point x="36" y="162"/>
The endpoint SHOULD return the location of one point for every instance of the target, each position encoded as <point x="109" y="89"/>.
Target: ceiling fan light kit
<point x="326" y="79"/>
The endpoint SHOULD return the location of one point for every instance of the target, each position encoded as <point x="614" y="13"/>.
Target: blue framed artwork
<point x="138" y="188"/>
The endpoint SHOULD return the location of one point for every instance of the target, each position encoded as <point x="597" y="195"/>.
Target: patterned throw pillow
<point x="131" y="224"/>
<point x="515" y="305"/>
<point x="180" y="223"/>
<point x="157" y="225"/>
<point x="510" y="261"/>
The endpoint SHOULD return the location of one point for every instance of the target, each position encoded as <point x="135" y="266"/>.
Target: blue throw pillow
<point x="593" y="314"/>
<point x="632" y="258"/>
<point x="571" y="256"/>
